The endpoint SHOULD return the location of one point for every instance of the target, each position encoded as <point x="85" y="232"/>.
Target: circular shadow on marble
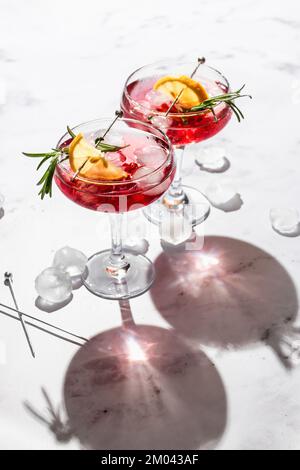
<point x="144" y="388"/>
<point x="228" y="294"/>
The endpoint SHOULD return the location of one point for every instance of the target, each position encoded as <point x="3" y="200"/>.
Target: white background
<point x="64" y="62"/>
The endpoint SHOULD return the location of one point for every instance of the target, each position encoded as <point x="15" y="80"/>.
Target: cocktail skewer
<point x="43" y="322"/>
<point x="118" y="115"/>
<point x="201" y="61"/>
<point x="8" y="282"/>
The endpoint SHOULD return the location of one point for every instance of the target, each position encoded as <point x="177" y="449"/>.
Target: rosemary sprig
<point x="53" y="157"/>
<point x="59" y="155"/>
<point x="107" y="147"/>
<point x="227" y="98"/>
<point x="71" y="132"/>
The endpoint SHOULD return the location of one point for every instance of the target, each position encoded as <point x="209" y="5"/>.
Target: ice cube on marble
<point x="223" y="195"/>
<point x="286" y="221"/>
<point x="50" y="307"/>
<point x="70" y="260"/>
<point x="150" y="156"/>
<point x="212" y="159"/>
<point x="136" y="246"/>
<point x="175" y="226"/>
<point x="53" y="285"/>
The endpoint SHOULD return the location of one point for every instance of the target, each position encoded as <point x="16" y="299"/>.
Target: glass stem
<point x="126" y="313"/>
<point x="175" y="196"/>
<point x="118" y="265"/>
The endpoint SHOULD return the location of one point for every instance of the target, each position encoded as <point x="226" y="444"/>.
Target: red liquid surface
<point x="181" y="130"/>
<point x="143" y="185"/>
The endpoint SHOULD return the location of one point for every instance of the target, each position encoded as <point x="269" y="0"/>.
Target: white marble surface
<point x="65" y="62"/>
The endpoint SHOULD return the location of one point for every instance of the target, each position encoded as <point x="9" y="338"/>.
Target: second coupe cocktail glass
<point x="142" y="101"/>
<point x="114" y="274"/>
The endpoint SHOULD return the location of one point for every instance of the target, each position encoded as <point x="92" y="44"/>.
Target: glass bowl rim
<point x="169" y="157"/>
<point x="161" y="113"/>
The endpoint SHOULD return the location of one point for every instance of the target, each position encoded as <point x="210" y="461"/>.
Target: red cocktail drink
<point x="141" y="102"/>
<point x="165" y="94"/>
<point x="141" y="167"/>
<point x="149" y="166"/>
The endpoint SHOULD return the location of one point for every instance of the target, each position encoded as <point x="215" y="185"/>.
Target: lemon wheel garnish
<point x="91" y="162"/>
<point x="193" y="92"/>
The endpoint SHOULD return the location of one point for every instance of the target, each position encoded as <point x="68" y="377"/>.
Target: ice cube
<point x="1" y="200"/>
<point x="54" y="285"/>
<point x="70" y="260"/>
<point x="223" y="195"/>
<point x="150" y="177"/>
<point x="136" y="246"/>
<point x="151" y="156"/>
<point x="175" y="226"/>
<point x="141" y="172"/>
<point x="50" y="307"/>
<point x="212" y="159"/>
<point x="113" y="138"/>
<point x="161" y="122"/>
<point x="152" y="183"/>
<point x="143" y="104"/>
<point x="157" y="99"/>
<point x="285" y="221"/>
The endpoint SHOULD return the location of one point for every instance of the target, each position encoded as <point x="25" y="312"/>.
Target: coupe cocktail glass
<point x="114" y="274"/>
<point x="139" y="101"/>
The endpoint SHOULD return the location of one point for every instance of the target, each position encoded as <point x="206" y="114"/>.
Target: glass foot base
<point x="196" y="202"/>
<point x="138" y="279"/>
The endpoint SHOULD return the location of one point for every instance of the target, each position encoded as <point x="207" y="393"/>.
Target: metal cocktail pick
<point x="201" y="61"/>
<point x="8" y="282"/>
<point x="118" y="114"/>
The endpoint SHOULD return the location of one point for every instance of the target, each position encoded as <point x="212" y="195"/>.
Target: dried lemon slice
<point x="90" y="161"/>
<point x="193" y="92"/>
